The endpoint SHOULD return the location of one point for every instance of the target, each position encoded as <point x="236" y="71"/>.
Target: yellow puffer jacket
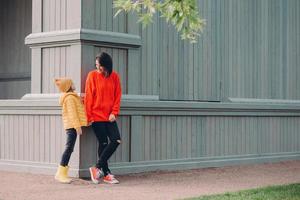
<point x="73" y="112"/>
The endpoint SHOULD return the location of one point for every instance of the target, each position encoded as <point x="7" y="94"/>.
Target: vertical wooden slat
<point x="137" y="146"/>
<point x="2" y="139"/>
<point x="11" y="144"/>
<point x="169" y="137"/>
<point x="56" y="62"/>
<point x="194" y="135"/>
<point x="177" y="145"/>
<point x="163" y="137"/>
<point x="30" y="138"/>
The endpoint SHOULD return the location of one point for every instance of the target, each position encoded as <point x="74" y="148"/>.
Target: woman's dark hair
<point x="105" y="61"/>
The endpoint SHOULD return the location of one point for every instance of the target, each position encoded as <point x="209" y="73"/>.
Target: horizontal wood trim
<point x="208" y="108"/>
<point x="5" y="77"/>
<point x="161" y="108"/>
<point x="65" y="37"/>
<point x="264" y="101"/>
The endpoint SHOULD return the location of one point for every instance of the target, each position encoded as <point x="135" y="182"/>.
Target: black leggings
<point x="71" y="139"/>
<point x="103" y="131"/>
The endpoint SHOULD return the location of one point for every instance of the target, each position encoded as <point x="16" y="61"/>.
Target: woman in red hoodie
<point x="102" y="103"/>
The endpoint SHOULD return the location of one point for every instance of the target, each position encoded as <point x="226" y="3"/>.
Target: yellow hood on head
<point x="63" y="84"/>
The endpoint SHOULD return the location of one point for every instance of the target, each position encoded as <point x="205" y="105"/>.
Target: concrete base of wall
<point x="34" y="167"/>
<point x="184" y="164"/>
<point x="137" y="167"/>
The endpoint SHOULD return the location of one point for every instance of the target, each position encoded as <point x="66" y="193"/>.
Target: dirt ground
<point x="157" y="185"/>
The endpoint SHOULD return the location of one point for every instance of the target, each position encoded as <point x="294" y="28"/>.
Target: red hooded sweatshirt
<point x="102" y="96"/>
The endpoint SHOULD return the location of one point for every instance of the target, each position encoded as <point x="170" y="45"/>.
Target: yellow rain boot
<point x="62" y="174"/>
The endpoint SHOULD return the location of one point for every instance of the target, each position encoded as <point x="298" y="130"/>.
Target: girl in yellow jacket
<point x="74" y="118"/>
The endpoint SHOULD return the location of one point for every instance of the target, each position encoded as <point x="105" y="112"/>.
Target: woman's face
<point x="97" y="64"/>
<point x="100" y="68"/>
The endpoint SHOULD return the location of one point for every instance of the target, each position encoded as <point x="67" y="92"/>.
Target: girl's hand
<point x="79" y="131"/>
<point x="112" y="118"/>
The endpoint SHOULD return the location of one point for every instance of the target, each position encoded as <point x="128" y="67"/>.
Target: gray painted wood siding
<point x="15" y="57"/>
<point x="56" y="62"/>
<point x="248" y="49"/>
<point x="258" y="48"/>
<point x="60" y="14"/>
<point x="188" y="72"/>
<point x="31" y="135"/>
<point x="37" y="138"/>
<point x="14" y="89"/>
<point x="180" y="137"/>
<point x="98" y="15"/>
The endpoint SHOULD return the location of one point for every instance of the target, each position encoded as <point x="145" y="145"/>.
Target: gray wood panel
<point x="256" y="41"/>
<point x="60" y="15"/>
<point x="15" y="58"/>
<point x="190" y="71"/>
<point x="36" y="138"/>
<point x="248" y="49"/>
<point x="56" y="62"/>
<point x="14" y="89"/>
<point x="181" y="137"/>
<point x="99" y="15"/>
<point x="154" y="139"/>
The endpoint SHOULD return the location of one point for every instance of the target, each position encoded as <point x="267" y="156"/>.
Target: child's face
<point x="58" y="84"/>
<point x="64" y="86"/>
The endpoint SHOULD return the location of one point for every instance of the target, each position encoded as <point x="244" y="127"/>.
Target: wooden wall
<point x="41" y="138"/>
<point x="249" y="49"/>
<point x="259" y="45"/>
<point x="15" y="57"/>
<point x="183" y="137"/>
<point x="56" y="62"/>
<point x="32" y="134"/>
<point x="35" y="138"/>
<point x="98" y="15"/>
<point x="60" y="15"/>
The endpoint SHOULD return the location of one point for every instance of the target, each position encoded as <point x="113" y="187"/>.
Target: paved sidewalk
<point x="157" y="185"/>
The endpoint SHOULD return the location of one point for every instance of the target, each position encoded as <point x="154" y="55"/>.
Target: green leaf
<point x="183" y="14"/>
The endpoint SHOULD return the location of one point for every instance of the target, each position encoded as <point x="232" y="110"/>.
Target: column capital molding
<point x="71" y="36"/>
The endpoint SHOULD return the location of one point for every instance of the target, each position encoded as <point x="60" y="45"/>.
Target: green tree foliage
<point x="183" y="14"/>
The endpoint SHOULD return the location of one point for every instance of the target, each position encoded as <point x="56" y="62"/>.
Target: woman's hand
<point x="112" y="118"/>
<point x="79" y="131"/>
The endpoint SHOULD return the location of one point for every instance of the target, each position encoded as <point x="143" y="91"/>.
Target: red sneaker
<point x="95" y="174"/>
<point x="110" y="179"/>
